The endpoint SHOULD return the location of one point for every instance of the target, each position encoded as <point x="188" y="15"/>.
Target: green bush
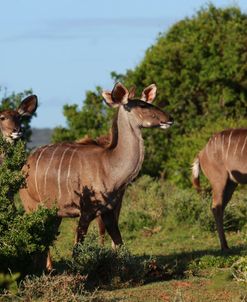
<point x="199" y="66"/>
<point x="150" y="203"/>
<point x="22" y="236"/>
<point x="65" y="287"/>
<point x="104" y="266"/>
<point x="145" y="204"/>
<point x="239" y="270"/>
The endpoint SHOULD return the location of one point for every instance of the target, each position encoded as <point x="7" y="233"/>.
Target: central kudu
<point x="224" y="162"/>
<point x="85" y="180"/>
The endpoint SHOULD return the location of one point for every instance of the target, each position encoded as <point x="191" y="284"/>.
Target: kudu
<point x="224" y="162"/>
<point x="86" y="179"/>
<point x="10" y="120"/>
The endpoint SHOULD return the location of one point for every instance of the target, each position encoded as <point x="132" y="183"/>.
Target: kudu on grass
<point x="10" y="119"/>
<point x="85" y="180"/>
<point x="224" y="162"/>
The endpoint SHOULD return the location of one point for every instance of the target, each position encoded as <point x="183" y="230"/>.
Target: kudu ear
<point x="28" y="106"/>
<point x="149" y="93"/>
<point x="132" y="92"/>
<point x="118" y="96"/>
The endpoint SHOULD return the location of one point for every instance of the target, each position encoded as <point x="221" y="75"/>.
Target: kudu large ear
<point x="28" y="106"/>
<point x="132" y="92"/>
<point x="118" y="96"/>
<point x="149" y="93"/>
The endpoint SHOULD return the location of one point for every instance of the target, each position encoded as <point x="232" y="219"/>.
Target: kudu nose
<point x="170" y="121"/>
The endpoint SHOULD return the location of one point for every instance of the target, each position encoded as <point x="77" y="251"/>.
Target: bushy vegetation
<point x="158" y="203"/>
<point x="64" y="287"/>
<point x="104" y="266"/>
<point x="200" y="69"/>
<point x="22" y="235"/>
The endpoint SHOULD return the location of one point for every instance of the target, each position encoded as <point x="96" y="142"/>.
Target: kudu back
<point x="224" y="162"/>
<point x="85" y="180"/>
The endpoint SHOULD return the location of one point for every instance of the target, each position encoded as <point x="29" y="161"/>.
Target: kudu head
<point x="10" y="120"/>
<point x="140" y="111"/>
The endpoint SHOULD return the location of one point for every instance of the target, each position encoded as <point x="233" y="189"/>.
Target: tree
<point x="92" y="120"/>
<point x="200" y="69"/>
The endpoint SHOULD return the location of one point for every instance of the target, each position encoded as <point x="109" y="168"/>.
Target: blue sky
<point x="62" y="48"/>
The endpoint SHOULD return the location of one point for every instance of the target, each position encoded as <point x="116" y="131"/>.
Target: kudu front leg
<point x="81" y="230"/>
<point x="110" y="221"/>
<point x="101" y="224"/>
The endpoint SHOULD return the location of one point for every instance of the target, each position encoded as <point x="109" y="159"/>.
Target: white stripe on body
<point x="59" y="173"/>
<point x="69" y="168"/>
<point x="215" y="144"/>
<point x="36" y="170"/>
<point x="222" y="145"/>
<point x="235" y="151"/>
<point x="229" y="143"/>
<point x="242" y="150"/>
<point x="48" y="167"/>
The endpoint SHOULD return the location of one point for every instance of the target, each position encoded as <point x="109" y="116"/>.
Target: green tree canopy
<point x="200" y="69"/>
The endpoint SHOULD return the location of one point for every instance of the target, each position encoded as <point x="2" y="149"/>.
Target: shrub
<point x="147" y="199"/>
<point x="103" y="266"/>
<point x="199" y="66"/>
<point x="64" y="287"/>
<point x="150" y="202"/>
<point x="239" y="270"/>
<point x="22" y="236"/>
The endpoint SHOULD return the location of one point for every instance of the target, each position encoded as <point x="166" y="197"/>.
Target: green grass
<point x="184" y="261"/>
<point x="193" y="267"/>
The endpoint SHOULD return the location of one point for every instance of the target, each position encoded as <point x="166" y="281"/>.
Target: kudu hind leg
<point x="101" y="227"/>
<point x="111" y="225"/>
<point x="49" y="264"/>
<point x="221" y="196"/>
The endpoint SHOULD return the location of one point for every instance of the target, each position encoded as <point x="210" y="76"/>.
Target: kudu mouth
<point x="166" y="125"/>
<point x="15" y="135"/>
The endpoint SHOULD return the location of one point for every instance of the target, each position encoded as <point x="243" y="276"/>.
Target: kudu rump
<point x="224" y="163"/>
<point x="10" y="120"/>
<point x="85" y="180"/>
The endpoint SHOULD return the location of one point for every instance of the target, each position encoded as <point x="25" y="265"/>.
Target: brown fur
<point x="10" y="120"/>
<point x="87" y="179"/>
<point x="224" y="162"/>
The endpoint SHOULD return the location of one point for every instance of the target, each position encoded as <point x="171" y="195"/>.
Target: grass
<point x="192" y="266"/>
<point x="183" y="259"/>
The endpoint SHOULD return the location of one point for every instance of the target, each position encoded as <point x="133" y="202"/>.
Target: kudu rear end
<point x="85" y="180"/>
<point x="224" y="162"/>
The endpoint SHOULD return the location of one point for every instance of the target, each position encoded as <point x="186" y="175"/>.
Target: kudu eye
<point x="2" y="118"/>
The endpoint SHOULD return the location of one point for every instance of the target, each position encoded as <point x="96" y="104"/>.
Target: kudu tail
<point x="195" y="174"/>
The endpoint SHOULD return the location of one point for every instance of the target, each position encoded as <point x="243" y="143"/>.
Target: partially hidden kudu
<point x="224" y="162"/>
<point x="85" y="180"/>
<point x="10" y="119"/>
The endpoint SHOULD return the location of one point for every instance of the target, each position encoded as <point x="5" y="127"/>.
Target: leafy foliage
<point x="91" y="120"/>
<point x="200" y="70"/>
<point x="150" y="204"/>
<point x="102" y="265"/>
<point x="22" y="235"/>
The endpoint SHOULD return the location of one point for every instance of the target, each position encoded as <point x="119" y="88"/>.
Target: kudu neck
<point x="127" y="149"/>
